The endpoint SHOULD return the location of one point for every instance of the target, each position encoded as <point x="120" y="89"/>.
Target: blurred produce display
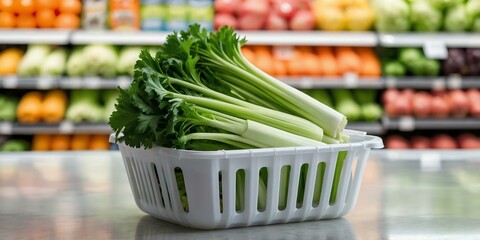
<point x="314" y="61"/>
<point x="64" y="14"/>
<point x="357" y="105"/>
<point x="400" y="62"/>
<point x="435" y="141"/>
<point x="427" y="15"/>
<point x="435" y="104"/>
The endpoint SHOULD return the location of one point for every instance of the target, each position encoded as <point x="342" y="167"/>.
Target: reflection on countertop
<point x="404" y="195"/>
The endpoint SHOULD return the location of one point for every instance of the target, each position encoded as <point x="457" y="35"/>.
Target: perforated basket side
<point x="205" y="195"/>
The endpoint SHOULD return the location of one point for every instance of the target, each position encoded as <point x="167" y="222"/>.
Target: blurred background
<point x="408" y="71"/>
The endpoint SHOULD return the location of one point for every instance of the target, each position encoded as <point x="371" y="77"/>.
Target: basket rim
<point x="360" y="140"/>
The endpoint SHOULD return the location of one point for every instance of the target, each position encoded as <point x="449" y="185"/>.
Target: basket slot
<point x="337" y="204"/>
<point x="283" y="187"/>
<point x="138" y="175"/>
<point x="240" y="190"/>
<point x="182" y="190"/>
<point x="148" y="183"/>
<point x="302" y="182"/>
<point x="326" y="184"/>
<point x="262" y="189"/>
<point x="220" y="191"/>
<point x="228" y="195"/>
<point x="158" y="188"/>
<point x="319" y="176"/>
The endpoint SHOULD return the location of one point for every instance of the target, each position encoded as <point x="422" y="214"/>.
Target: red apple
<point x="251" y="22"/>
<point x="224" y="19"/>
<point x="285" y="8"/>
<point x="276" y="22"/>
<point x="303" y="20"/>
<point x="226" y="6"/>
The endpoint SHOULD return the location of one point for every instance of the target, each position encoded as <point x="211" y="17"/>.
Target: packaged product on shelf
<point x="152" y="15"/>
<point x="94" y="15"/>
<point x="29" y="108"/>
<point x="8" y="108"/>
<point x="177" y="15"/>
<point x="124" y="14"/>
<point x="15" y="145"/>
<point x="9" y="60"/>
<point x="201" y="12"/>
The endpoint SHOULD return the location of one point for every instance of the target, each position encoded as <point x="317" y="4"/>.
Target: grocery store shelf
<point x="328" y="82"/>
<point x="254" y="38"/>
<point x="420" y="39"/>
<point x="11" y="128"/>
<point x="310" y="38"/>
<point x="38" y="36"/>
<point x="15" y="82"/>
<point x="374" y="128"/>
<point x="436" y="83"/>
<point x="410" y="124"/>
<point x="119" y="37"/>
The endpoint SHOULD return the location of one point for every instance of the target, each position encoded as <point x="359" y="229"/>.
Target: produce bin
<point x="201" y="189"/>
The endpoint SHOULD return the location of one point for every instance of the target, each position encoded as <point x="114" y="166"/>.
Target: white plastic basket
<point x="211" y="204"/>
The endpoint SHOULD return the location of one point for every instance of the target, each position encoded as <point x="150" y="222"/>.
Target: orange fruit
<point x="46" y="4"/>
<point x="6" y="5"/>
<point x="7" y="20"/>
<point x="24" y="6"/>
<point x="45" y="18"/>
<point x="70" y="6"/>
<point x="26" y="21"/>
<point x="67" y="21"/>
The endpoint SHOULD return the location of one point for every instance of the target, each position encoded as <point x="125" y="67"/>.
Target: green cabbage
<point x="456" y="19"/>
<point x="444" y="4"/>
<point x="425" y="18"/>
<point x="127" y="58"/>
<point x="392" y="16"/>
<point x="54" y="64"/>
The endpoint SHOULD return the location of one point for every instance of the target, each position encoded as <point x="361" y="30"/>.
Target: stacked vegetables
<point x="9" y="60"/>
<point x="427" y="15"/>
<point x="408" y="61"/>
<point x="264" y="14"/>
<point x="53" y="106"/>
<point x="8" y="107"/>
<point x="412" y="61"/>
<point x="464" y="62"/>
<point x="91" y="60"/>
<point x="338" y="15"/>
<point x="63" y="14"/>
<point x="436" y="141"/>
<point x="357" y="105"/>
<point x="314" y="61"/>
<point x="64" y="142"/>
<point x="438" y="104"/>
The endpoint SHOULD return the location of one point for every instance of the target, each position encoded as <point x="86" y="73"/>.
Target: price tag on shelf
<point x="66" y="127"/>
<point x="6" y="128"/>
<point x="45" y="82"/>
<point x="455" y="82"/>
<point x="438" y="84"/>
<point x="92" y="82"/>
<point x="283" y="52"/>
<point x="351" y="80"/>
<point x="390" y="82"/>
<point x="306" y="83"/>
<point x="430" y="162"/>
<point x="72" y="82"/>
<point x="435" y="50"/>
<point x="124" y="82"/>
<point x="406" y="124"/>
<point x="10" y="81"/>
